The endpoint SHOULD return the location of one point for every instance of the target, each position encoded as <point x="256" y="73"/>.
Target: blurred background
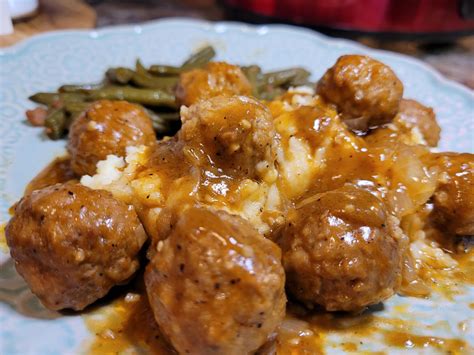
<point x="440" y="32"/>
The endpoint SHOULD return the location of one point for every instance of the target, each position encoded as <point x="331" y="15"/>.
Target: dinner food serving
<point x="239" y="205"/>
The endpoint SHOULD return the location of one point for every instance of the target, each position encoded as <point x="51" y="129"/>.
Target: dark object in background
<point x="433" y="19"/>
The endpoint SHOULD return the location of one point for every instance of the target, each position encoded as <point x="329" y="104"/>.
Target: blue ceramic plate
<point x="47" y="61"/>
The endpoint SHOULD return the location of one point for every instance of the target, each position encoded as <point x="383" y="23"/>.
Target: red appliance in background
<point x="393" y="17"/>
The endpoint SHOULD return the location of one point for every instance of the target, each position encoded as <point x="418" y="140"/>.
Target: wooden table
<point x="52" y="15"/>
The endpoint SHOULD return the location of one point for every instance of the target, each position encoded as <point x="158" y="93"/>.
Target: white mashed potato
<point x="258" y="202"/>
<point x="116" y="174"/>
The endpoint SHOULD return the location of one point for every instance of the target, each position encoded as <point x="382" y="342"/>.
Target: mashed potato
<point x="258" y="202"/>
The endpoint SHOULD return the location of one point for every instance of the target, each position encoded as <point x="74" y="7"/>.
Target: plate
<point x="45" y="62"/>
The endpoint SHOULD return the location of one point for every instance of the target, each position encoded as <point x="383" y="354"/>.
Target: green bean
<point x="55" y="124"/>
<point x="301" y="78"/>
<point x="169" y="116"/>
<point x="253" y="74"/>
<point x="45" y="98"/>
<point x="202" y="57"/>
<point x="144" y="81"/>
<point x="164" y="70"/>
<point x="49" y="98"/>
<point x="150" y="97"/>
<point x="120" y="75"/>
<point x="76" y="88"/>
<point x="271" y="93"/>
<point x="139" y="68"/>
<point x="159" y="125"/>
<point x="75" y="107"/>
<point x="142" y="78"/>
<point x="284" y="77"/>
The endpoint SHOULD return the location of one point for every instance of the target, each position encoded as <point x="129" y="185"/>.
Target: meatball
<point x="72" y="244"/>
<point x="366" y="91"/>
<point x="217" y="78"/>
<point x="413" y="114"/>
<point x="107" y="127"/>
<point x="454" y="196"/>
<point x="341" y="250"/>
<point x="235" y="133"/>
<point x="215" y="285"/>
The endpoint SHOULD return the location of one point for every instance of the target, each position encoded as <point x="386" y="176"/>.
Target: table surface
<point x="453" y="59"/>
<point x="52" y="15"/>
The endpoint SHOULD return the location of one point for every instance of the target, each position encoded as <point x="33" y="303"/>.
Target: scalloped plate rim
<point x="225" y="26"/>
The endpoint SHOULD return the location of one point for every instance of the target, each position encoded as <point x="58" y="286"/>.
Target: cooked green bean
<point x="142" y="78"/>
<point x="253" y="74"/>
<point x="283" y="77"/>
<point x="301" y="78"/>
<point x="45" y="98"/>
<point x="77" y="88"/>
<point x="75" y="107"/>
<point x="151" y="97"/>
<point x="202" y="57"/>
<point x="120" y="75"/>
<point x="55" y="124"/>
<point x="164" y="70"/>
<point x="145" y="81"/>
<point x="49" y="98"/>
<point x="159" y="125"/>
<point x="139" y="68"/>
<point x="169" y="116"/>
<point x="271" y="94"/>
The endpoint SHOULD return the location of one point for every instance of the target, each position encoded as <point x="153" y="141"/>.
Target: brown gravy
<point x="127" y="323"/>
<point x="123" y="325"/>
<point x="412" y="341"/>
<point x="58" y="171"/>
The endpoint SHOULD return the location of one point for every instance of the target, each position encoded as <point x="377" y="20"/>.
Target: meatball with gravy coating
<point x="216" y="78"/>
<point x="235" y="133"/>
<point x="107" y="127"/>
<point x="216" y="286"/>
<point x="342" y="251"/>
<point x="454" y="196"/>
<point x="71" y="244"/>
<point x="412" y="114"/>
<point x="366" y="91"/>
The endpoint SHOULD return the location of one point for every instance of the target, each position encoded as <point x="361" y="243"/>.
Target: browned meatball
<point x="366" y="91"/>
<point x="215" y="285"/>
<point x="217" y="78"/>
<point x="342" y="251"/>
<point x="107" y="127"/>
<point x="413" y="114"/>
<point x="72" y="244"/>
<point x="454" y="196"/>
<point x="235" y="133"/>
